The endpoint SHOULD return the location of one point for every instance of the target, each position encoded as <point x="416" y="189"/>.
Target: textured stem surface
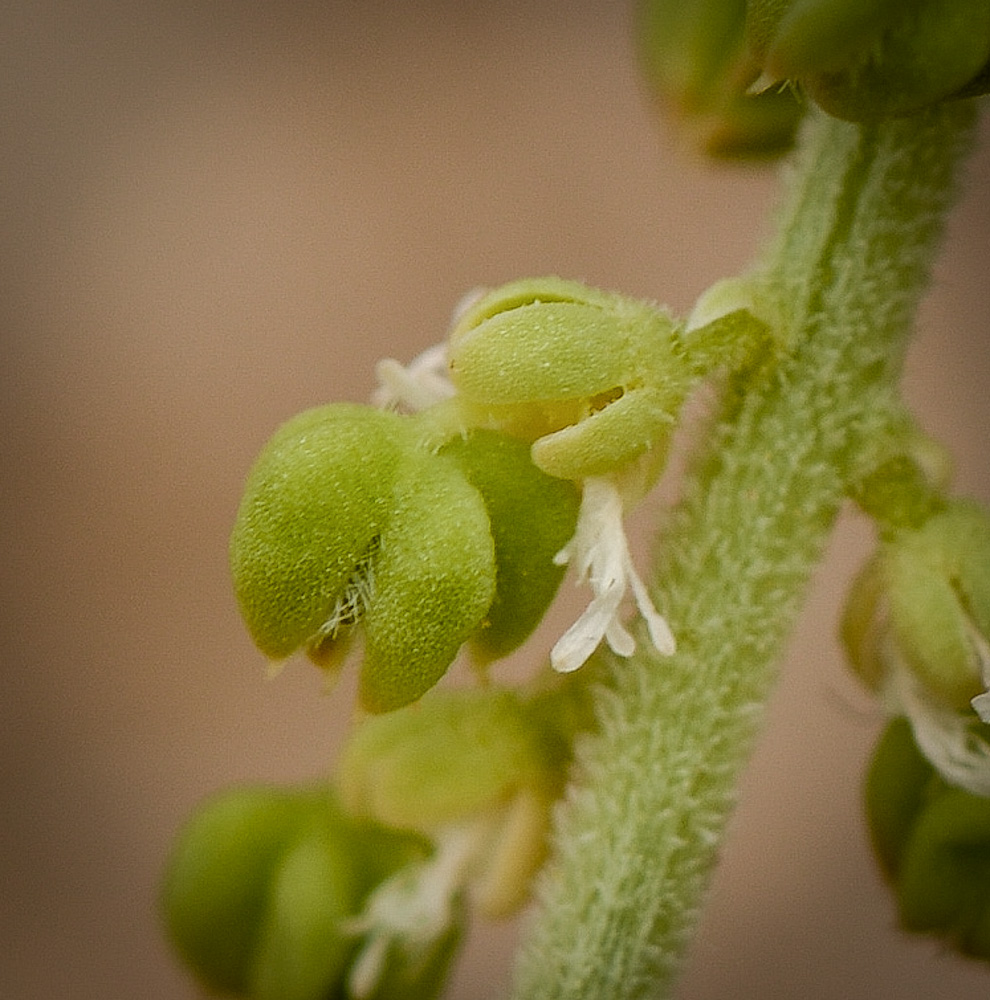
<point x="637" y="838"/>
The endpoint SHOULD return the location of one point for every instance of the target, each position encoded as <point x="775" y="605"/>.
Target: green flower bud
<point x="795" y="37"/>
<point x="254" y="893"/>
<point x="870" y="60"/>
<point x="595" y="380"/>
<point x="347" y="520"/>
<point x="482" y="760"/>
<point x="532" y="517"/>
<point x="433" y="582"/>
<point x="697" y="63"/>
<point x="916" y="627"/>
<point x="315" y="502"/>
<point x="934" y="844"/>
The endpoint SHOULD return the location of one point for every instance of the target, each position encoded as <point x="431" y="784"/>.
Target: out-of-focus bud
<point x="262" y="892"/>
<point x="477" y="773"/>
<point x="916" y="629"/>
<point x="697" y="62"/>
<point x="870" y="60"/>
<point x="484" y="762"/>
<point x="933" y="843"/>
<point x="256" y="887"/>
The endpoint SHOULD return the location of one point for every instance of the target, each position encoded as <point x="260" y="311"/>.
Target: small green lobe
<point x="314" y="502"/>
<point x="434" y="580"/>
<point x="532" y="517"/>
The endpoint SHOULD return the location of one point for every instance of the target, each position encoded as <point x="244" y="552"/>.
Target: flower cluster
<point x="351" y="521"/>
<point x="916" y="630"/>
<point x="360" y="889"/>
<point x="737" y="75"/>
<point x="528" y="435"/>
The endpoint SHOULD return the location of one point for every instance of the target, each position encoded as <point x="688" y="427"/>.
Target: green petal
<point x="434" y="580"/>
<point x="314" y="503"/>
<point x="532" y="517"/>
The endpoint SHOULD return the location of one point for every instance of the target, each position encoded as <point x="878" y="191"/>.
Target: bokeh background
<point x="217" y="214"/>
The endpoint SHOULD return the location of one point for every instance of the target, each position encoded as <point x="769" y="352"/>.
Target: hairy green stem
<point x="637" y="839"/>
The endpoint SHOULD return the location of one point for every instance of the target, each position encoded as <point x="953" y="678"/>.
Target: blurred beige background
<point x="217" y="214"/>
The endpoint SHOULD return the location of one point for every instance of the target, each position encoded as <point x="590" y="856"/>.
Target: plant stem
<point x="637" y="839"/>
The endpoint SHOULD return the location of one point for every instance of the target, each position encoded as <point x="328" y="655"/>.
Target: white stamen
<point x="981" y="703"/>
<point x="600" y="553"/>
<point x="416" y="386"/>
<point x="412" y="909"/>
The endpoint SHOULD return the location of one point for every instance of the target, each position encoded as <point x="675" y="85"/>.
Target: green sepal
<point x="899" y="782"/>
<point x="938" y="588"/>
<point x="872" y="60"/>
<point x="434" y="581"/>
<point x="811" y="36"/>
<point x="532" y="516"/>
<point x="301" y="951"/>
<point x="944" y="883"/>
<point x="547" y="352"/>
<point x="861" y="626"/>
<point x="923" y="58"/>
<point x="639" y="421"/>
<point x="315" y="501"/>
<point x="454" y="755"/>
<point x="217" y="891"/>
<point x="528" y="292"/>
<point x="695" y="58"/>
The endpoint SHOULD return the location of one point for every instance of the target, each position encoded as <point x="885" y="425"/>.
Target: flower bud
<point x="463" y="760"/>
<point x="933" y="842"/>
<point x="795" y="37"/>
<point x="255" y="890"/>
<point x="696" y="60"/>
<point x="594" y="380"/>
<point x="871" y="60"/>
<point x="348" y="521"/>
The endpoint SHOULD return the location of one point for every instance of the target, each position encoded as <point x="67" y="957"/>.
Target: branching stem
<point x="636" y="841"/>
